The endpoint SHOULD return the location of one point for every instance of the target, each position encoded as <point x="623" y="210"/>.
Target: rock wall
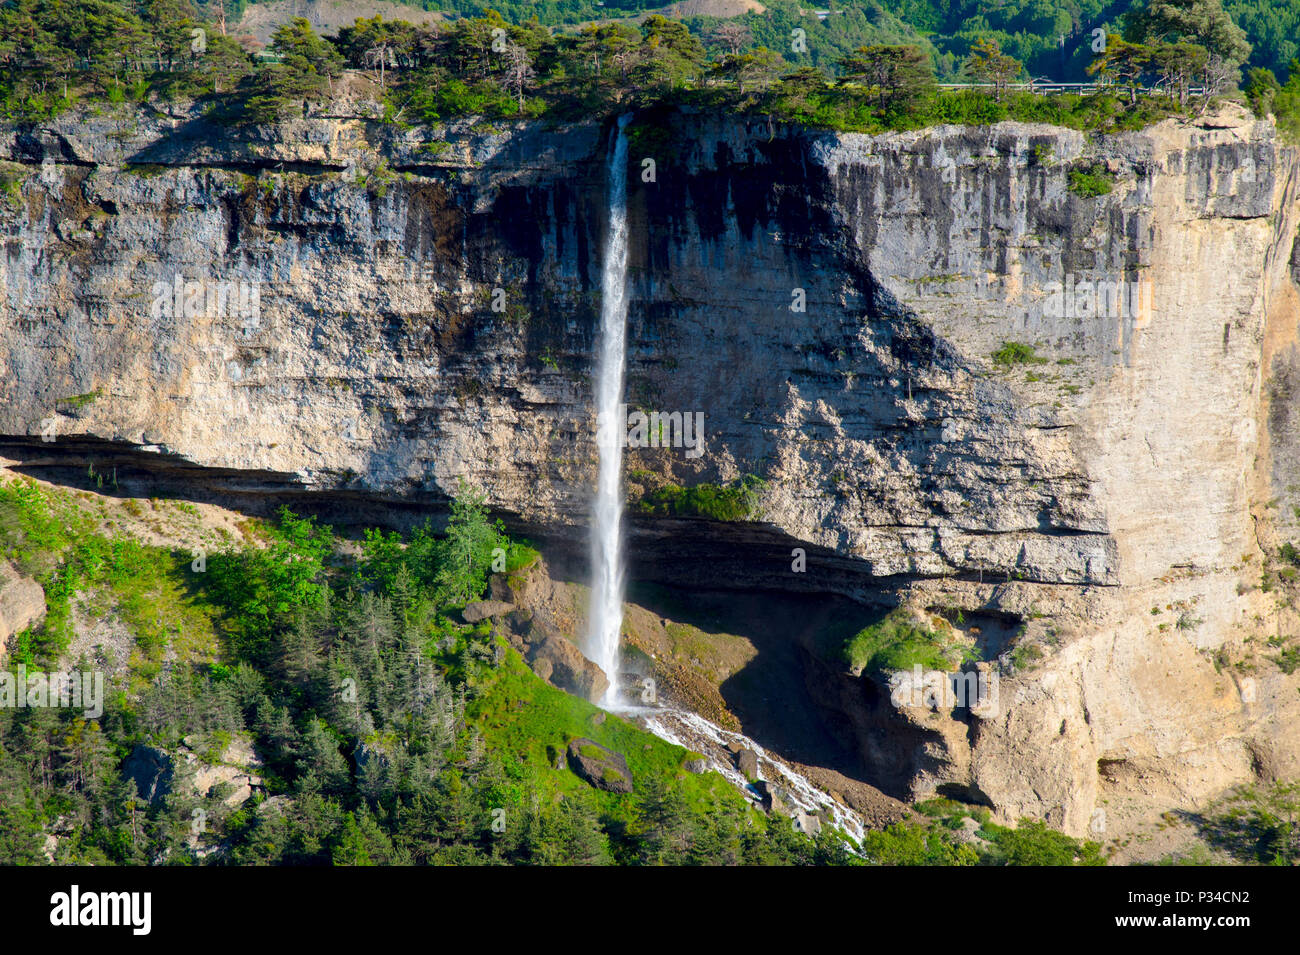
<point x="831" y="303"/>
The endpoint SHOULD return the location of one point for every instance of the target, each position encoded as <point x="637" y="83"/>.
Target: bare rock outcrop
<point x="536" y="611"/>
<point x="232" y="774"/>
<point x="559" y="662"/>
<point x="22" y="602"/>
<point x="485" y="609"/>
<point x="152" y="771"/>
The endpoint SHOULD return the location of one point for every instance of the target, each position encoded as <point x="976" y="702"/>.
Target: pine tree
<point x="579" y="833"/>
<point x="663" y="828"/>
<point x="896" y="78"/>
<point x="989" y="63"/>
<point x="466" y="558"/>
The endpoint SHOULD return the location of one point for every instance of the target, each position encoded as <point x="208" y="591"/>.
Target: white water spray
<point x="692" y="731"/>
<point x="606" y="615"/>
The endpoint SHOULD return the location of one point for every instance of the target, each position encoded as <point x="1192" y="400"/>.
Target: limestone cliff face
<point x="830" y="303"/>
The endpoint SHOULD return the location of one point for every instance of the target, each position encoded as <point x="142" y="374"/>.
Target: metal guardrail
<point x="1051" y="86"/>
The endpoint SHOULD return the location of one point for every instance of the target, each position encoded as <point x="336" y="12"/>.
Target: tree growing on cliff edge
<point x="798" y="95"/>
<point x="1178" y="65"/>
<point x="518" y="72"/>
<point x="731" y="36"/>
<point x="306" y="73"/>
<point x="376" y="45"/>
<point x="1122" y="63"/>
<point x="897" y="78"/>
<point x="1284" y="103"/>
<point x="171" y="23"/>
<point x="298" y="43"/>
<point x="224" y="65"/>
<point x="603" y="50"/>
<point x="988" y="63"/>
<point x="1261" y="86"/>
<point x="1201" y="22"/>
<point x="748" y="71"/>
<point x="668" y="58"/>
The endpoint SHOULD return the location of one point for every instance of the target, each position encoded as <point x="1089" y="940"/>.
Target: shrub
<point x="898" y="643"/>
<point x="1016" y="353"/>
<point x="1024" y="655"/>
<point x="1089" y="181"/>
<point x="909" y="844"/>
<point x="1034" y="843"/>
<point x="737" y="501"/>
<point x="1288" y="661"/>
<point x="1257" y="824"/>
<point x="11" y="180"/>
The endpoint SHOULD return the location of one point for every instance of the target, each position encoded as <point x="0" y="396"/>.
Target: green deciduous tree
<point x="1261" y="86"/>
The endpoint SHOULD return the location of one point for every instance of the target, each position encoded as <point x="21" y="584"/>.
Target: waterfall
<point x="680" y="727"/>
<point x="606" y="615"/>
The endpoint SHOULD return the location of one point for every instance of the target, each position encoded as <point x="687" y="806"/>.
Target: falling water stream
<point x="606" y="617"/>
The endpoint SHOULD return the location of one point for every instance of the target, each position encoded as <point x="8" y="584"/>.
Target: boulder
<point x="570" y="670"/>
<point x="747" y="763"/>
<point x="22" y="602"/>
<point x="152" y="772"/>
<point x="483" y="609"/>
<point x="698" y="766"/>
<point x="806" y="823"/>
<point x="775" y="799"/>
<point x="543" y="668"/>
<point x="599" y="766"/>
